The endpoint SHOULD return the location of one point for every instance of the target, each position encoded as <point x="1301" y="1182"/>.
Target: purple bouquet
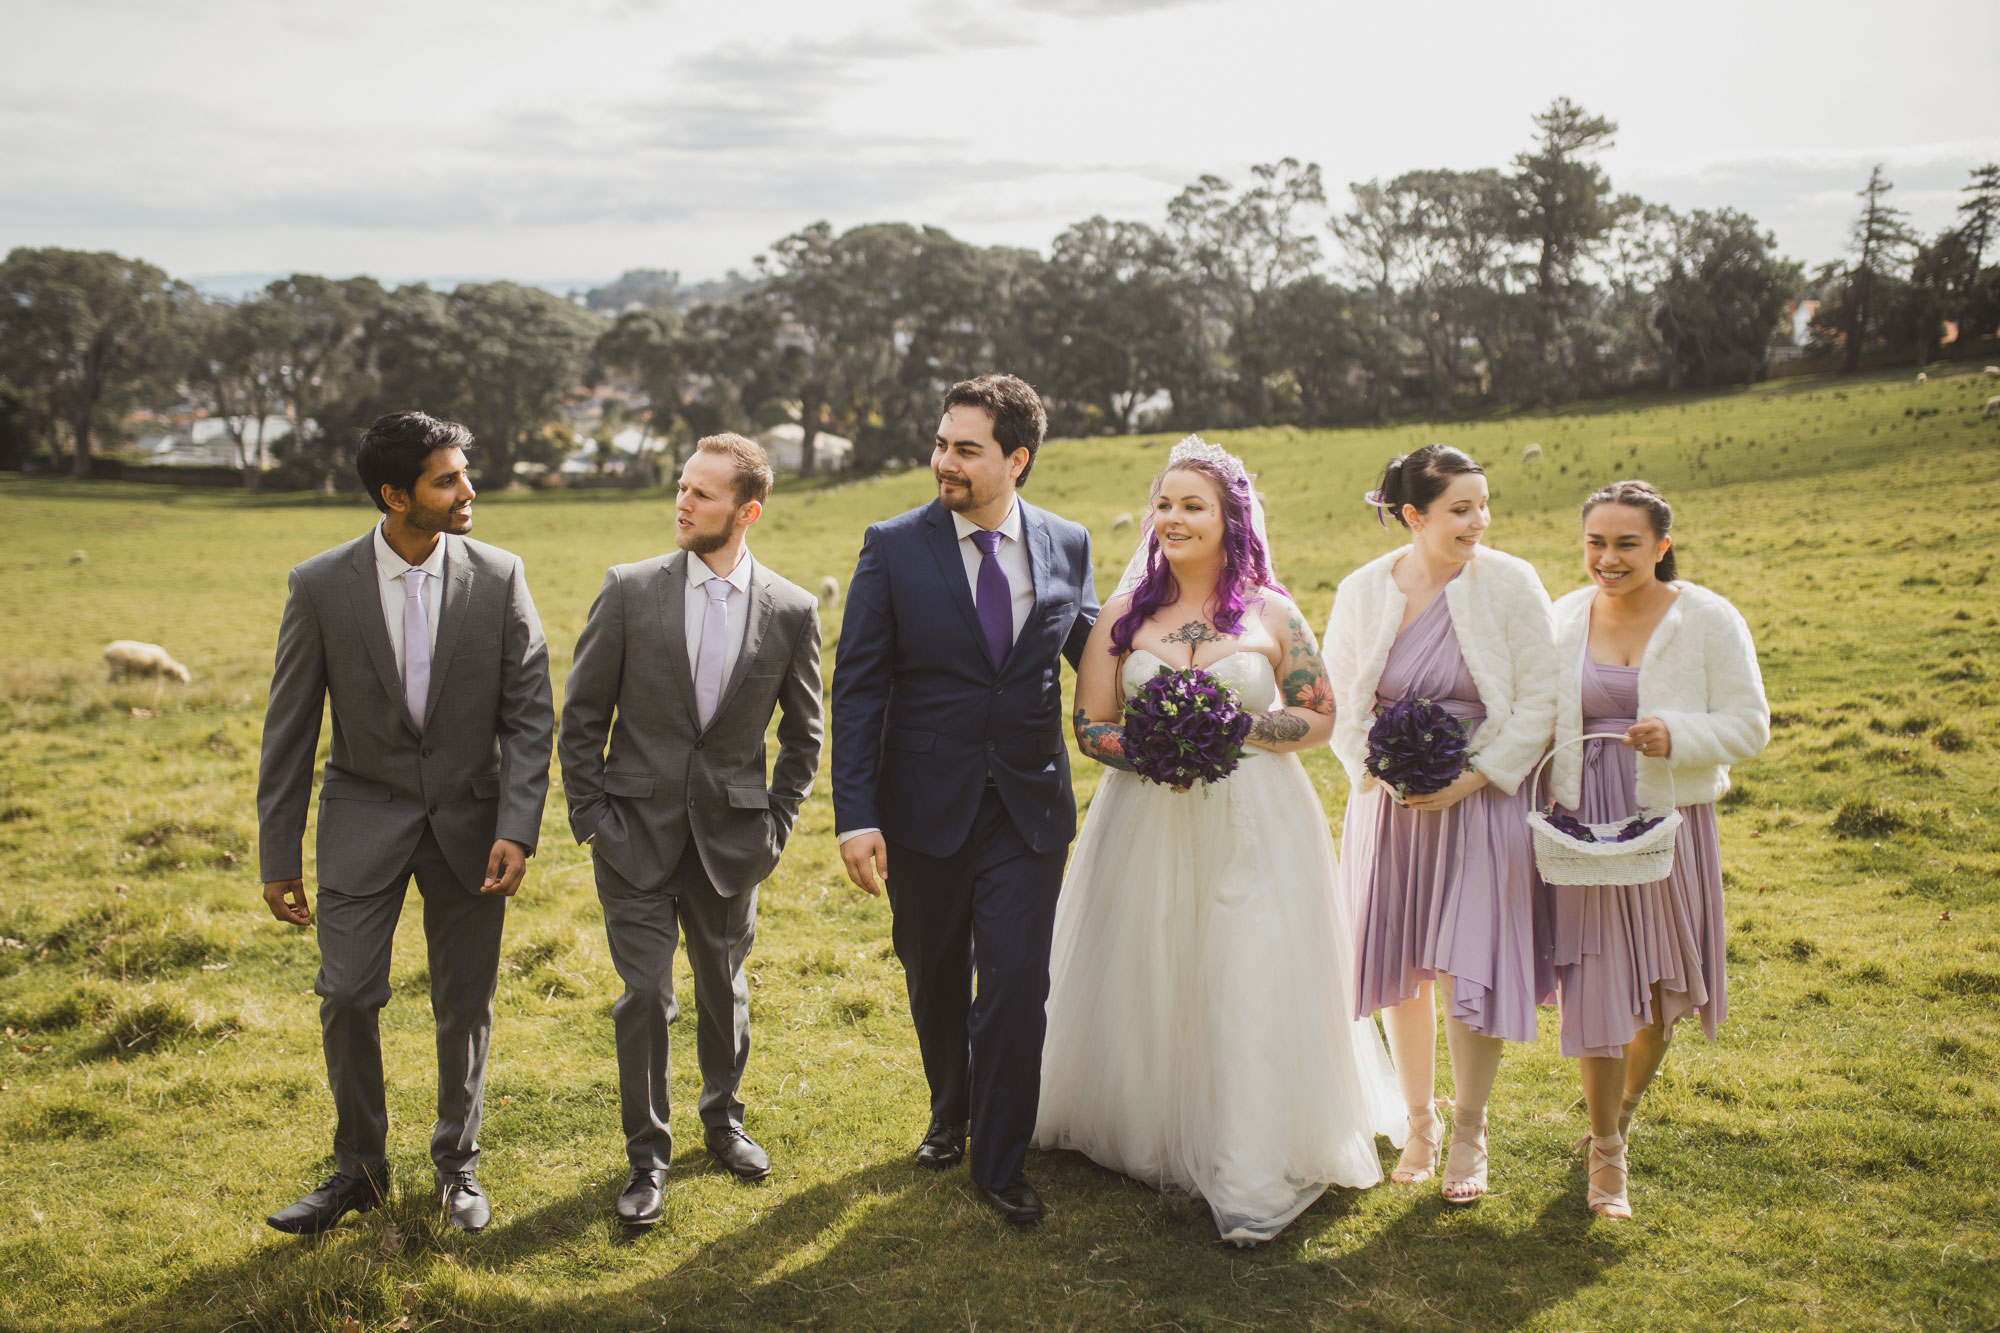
<point x="1582" y="832"/>
<point x="1184" y="726"/>
<point x="1416" y="747"/>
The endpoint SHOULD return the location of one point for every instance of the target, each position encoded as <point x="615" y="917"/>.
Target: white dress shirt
<point x="1013" y="558"/>
<point x="696" y="602"/>
<point x="389" y="571"/>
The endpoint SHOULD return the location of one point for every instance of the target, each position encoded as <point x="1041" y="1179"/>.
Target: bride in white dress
<point x="1200" y="1029"/>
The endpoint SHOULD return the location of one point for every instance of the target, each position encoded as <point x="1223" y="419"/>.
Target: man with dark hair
<point x="950" y="771"/>
<point x="692" y="652"/>
<point x="428" y="647"/>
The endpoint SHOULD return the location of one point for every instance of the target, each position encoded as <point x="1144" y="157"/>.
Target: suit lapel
<point x="944" y="546"/>
<point x="673" y="625"/>
<point x="761" y="611"/>
<point x="1041" y="556"/>
<point x="454" y="602"/>
<point x="364" y="593"/>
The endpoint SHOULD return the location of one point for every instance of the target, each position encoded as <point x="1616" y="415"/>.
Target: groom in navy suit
<point x="950" y="774"/>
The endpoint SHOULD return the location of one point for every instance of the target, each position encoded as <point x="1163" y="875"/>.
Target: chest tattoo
<point x="1194" y="634"/>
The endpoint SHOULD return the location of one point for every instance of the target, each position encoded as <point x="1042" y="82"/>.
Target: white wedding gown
<point x="1200" y="1035"/>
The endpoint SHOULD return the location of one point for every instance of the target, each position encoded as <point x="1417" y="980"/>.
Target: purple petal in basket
<point x="1572" y="826"/>
<point x="1637" y="826"/>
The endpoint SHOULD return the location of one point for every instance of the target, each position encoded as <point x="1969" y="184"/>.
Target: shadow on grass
<point x="890" y="1246"/>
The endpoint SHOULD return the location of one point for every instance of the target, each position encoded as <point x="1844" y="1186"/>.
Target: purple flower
<point x="1636" y="826"/>
<point x="1184" y="726"/>
<point x="1571" y="825"/>
<point x="1417" y="747"/>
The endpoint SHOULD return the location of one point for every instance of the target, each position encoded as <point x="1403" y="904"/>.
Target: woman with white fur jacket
<point x="1441" y="887"/>
<point x="1670" y="667"/>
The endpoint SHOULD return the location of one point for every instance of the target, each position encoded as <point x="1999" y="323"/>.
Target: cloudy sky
<point x="545" y="142"/>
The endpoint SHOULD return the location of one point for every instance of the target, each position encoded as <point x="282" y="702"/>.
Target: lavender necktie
<point x="714" y="648"/>
<point x="993" y="597"/>
<point x="416" y="646"/>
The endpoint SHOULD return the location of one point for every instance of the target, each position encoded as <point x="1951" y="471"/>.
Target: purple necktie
<point x="993" y="597"/>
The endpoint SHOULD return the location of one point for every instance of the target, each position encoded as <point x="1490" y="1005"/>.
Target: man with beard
<point x="428" y="647"/>
<point x="950" y="772"/>
<point x="692" y="652"/>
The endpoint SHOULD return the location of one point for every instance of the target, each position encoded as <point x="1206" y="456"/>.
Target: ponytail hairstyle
<point x="1418" y="478"/>
<point x="1659" y="515"/>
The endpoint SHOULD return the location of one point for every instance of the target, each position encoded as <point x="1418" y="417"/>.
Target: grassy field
<point x="1833" y="1159"/>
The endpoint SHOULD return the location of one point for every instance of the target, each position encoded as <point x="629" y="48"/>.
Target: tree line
<point x="1264" y="303"/>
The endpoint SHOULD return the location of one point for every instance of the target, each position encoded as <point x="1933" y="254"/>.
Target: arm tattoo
<point x="1102" y="741"/>
<point x="1278" y="728"/>
<point x="1194" y="634"/>
<point x="1305" y="684"/>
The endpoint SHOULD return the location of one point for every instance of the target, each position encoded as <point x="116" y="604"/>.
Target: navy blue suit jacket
<point x="920" y="716"/>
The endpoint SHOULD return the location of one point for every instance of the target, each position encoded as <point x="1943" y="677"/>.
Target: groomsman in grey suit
<point x="428" y="646"/>
<point x="692" y="652"/>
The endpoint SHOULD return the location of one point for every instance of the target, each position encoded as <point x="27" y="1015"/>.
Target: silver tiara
<point x="1194" y="449"/>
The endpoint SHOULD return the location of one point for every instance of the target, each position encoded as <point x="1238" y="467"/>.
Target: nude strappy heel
<point x="1627" y="1104"/>
<point x="1607" y="1162"/>
<point x="1420" y="1150"/>
<point x="1469" y="1179"/>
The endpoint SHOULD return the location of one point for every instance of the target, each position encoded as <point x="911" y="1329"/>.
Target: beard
<point x="439" y="520"/>
<point x="697" y="542"/>
<point x="958" y="499"/>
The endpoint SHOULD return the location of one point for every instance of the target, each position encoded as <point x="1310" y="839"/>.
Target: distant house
<point x="785" y="442"/>
<point x="205" y="442"/>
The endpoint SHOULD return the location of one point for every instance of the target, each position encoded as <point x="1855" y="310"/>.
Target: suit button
<point x="999" y="689"/>
<point x="434" y="809"/>
<point x="427" y="750"/>
<point x="991" y="745"/>
<point x="690" y="802"/>
<point x="699" y="744"/>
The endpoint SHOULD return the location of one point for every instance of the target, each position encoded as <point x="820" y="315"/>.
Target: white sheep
<point x="1922" y="378"/>
<point x="1120" y="524"/>
<point x="129" y="657"/>
<point x="78" y="557"/>
<point x="1532" y="454"/>
<point x="1992" y="406"/>
<point x="829" y="591"/>
<point x="1993" y="371"/>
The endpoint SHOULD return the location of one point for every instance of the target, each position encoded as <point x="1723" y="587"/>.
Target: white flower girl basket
<point x="1563" y="859"/>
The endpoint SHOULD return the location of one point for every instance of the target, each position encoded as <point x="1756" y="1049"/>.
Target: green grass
<point x="1831" y="1159"/>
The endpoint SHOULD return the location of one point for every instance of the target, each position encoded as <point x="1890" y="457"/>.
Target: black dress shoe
<point x="943" y="1146"/>
<point x="738" y="1152"/>
<point x="464" y="1203"/>
<point x="639" y="1205"/>
<point x="1017" y="1201"/>
<point x="343" y="1193"/>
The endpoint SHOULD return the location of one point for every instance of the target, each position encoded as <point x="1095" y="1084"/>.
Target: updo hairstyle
<point x="1420" y="477"/>
<point x="1659" y="515"/>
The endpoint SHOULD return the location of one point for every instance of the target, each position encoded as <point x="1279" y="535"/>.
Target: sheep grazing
<point x="1993" y="371"/>
<point x="1532" y="454"/>
<point x="1923" y="378"/>
<point x="78" y="557"/>
<point x="128" y="657"/>
<point x="829" y="591"/>
<point x="1120" y="524"/>
<point x="1992" y="406"/>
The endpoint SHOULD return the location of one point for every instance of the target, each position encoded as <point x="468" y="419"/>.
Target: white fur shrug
<point x="1699" y="676"/>
<point x="1501" y="615"/>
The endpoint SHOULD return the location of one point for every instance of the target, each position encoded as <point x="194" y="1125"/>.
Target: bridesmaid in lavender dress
<point x="1441" y="887"/>
<point x="1671" y="667"/>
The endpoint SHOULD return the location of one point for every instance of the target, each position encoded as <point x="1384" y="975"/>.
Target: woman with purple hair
<point x="1198" y="1033"/>
<point x="1441" y="886"/>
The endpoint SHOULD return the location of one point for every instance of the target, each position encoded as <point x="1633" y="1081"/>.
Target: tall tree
<point x="1723" y="297"/>
<point x="319" y="323"/>
<point x="520" y="351"/>
<point x="235" y="371"/>
<point x="1379" y="239"/>
<point x="90" y="334"/>
<point x="1976" y="289"/>
<point x="1881" y="235"/>
<point x="650" y="346"/>
<point x="1113" y="321"/>
<point x="1243" y="249"/>
<point x="1981" y="211"/>
<point x="1566" y="210"/>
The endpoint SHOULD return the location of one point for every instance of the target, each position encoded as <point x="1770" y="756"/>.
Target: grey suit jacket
<point x="666" y="778"/>
<point x="479" y="770"/>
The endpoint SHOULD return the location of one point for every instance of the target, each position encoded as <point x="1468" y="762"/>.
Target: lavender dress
<point x="1613" y="942"/>
<point x="1444" y="891"/>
